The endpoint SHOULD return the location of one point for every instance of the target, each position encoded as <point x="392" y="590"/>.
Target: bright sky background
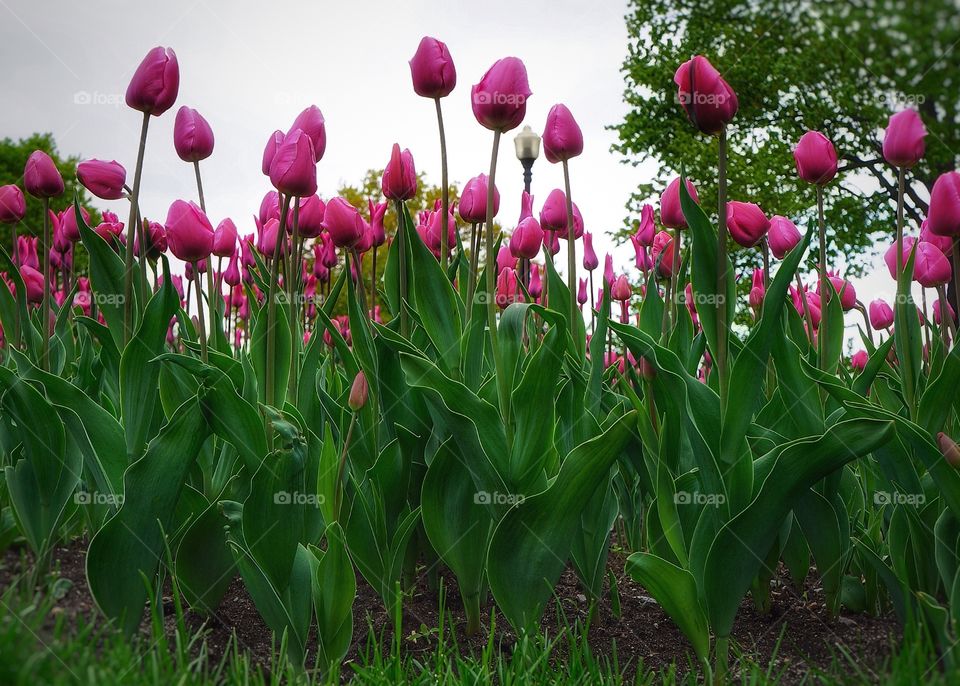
<point x="251" y="66"/>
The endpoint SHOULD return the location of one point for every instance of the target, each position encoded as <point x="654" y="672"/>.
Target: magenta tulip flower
<point x="189" y="232"/>
<point x="377" y="213"/>
<point x="267" y="243"/>
<point x="399" y="180"/>
<point x="582" y="296"/>
<point x="708" y="100"/>
<point x="41" y="178"/>
<point x="507" y="288"/>
<point x="848" y="294"/>
<point x="816" y="158"/>
<point x="859" y="360"/>
<point x="662" y="254"/>
<point x="746" y="222"/>
<point x="500" y="99"/>
<point x="526" y="239"/>
<point x="432" y="69"/>
<point x="621" y="289"/>
<point x="562" y="138"/>
<point x="473" y="200"/>
<point x="104" y="179"/>
<point x="270" y="150"/>
<point x="646" y="227"/>
<point x="225" y="239"/>
<point x="293" y="170"/>
<point x="310" y="218"/>
<point x="12" y="204"/>
<point x="312" y="123"/>
<point x="944" y="243"/>
<point x="671" y="216"/>
<point x="68" y="223"/>
<point x="536" y="283"/>
<point x="590" y="261"/>
<point x="903" y="140"/>
<point x="937" y="313"/>
<point x="881" y="314"/>
<point x="944" y="213"/>
<point x="33" y="280"/>
<point x="890" y="256"/>
<point x="783" y="236"/>
<point x="931" y="268"/>
<point x="192" y="135"/>
<point x="553" y="214"/>
<point x="154" y="86"/>
<point x="343" y="222"/>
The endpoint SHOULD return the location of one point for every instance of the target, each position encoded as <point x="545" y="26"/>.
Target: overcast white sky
<point x="250" y="66"/>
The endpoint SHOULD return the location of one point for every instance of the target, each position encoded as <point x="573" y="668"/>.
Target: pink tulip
<point x="553" y="215"/>
<point x="293" y="170"/>
<point x="505" y="259"/>
<point x="189" y="233"/>
<point x="12" y="204"/>
<point x="232" y="274"/>
<point x="903" y="140"/>
<point x="507" y="288"/>
<point x="343" y="222"/>
<point x="562" y="138"/>
<point x="33" y="280"/>
<point x="68" y="223"/>
<point x="890" y="256"/>
<point x="225" y="239"/>
<point x="526" y="239"/>
<point x="943" y="243"/>
<point x="267" y="243"/>
<point x="103" y="179"/>
<point x="944" y="212"/>
<point x="581" y="292"/>
<point x="621" y="289"/>
<point x="473" y="200"/>
<point x="881" y="314"/>
<point x="757" y="289"/>
<point x="41" y="178"/>
<point x="311" y="122"/>
<point x="432" y="69"/>
<point x="937" y="313"/>
<point x="931" y="268"/>
<point x="848" y="294"/>
<point x="377" y="212"/>
<point x="859" y="360"/>
<point x="608" y="275"/>
<point x="816" y="158"/>
<point x="782" y="237"/>
<point x="708" y="100"/>
<point x="400" y="176"/>
<point x="500" y="99"/>
<point x="154" y="86"/>
<point x="192" y="135"/>
<point x="310" y="216"/>
<point x="435" y="230"/>
<point x="590" y="261"/>
<point x="746" y="222"/>
<point x="949" y="449"/>
<point x="536" y="284"/>
<point x="27" y="251"/>
<point x="270" y="151"/>
<point x="662" y="254"/>
<point x="646" y="227"/>
<point x="671" y="216"/>
<point x="551" y="242"/>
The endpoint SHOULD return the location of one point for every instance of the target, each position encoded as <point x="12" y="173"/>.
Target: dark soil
<point x="796" y="636"/>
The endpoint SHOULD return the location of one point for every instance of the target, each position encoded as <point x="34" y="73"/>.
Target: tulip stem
<point x="45" y="319"/>
<point x="866" y="320"/>
<point x="722" y="273"/>
<point x="806" y="308"/>
<point x="131" y="232"/>
<point x="503" y="388"/>
<point x="373" y="282"/>
<point x="402" y="239"/>
<point x="825" y="289"/>
<point x="474" y="262"/>
<point x="956" y="277"/>
<point x="926" y="328"/>
<point x="901" y="175"/>
<point x="15" y="256"/>
<point x="444" y="190"/>
<point x="293" y="294"/>
<point x="593" y="308"/>
<point x="338" y="498"/>
<point x="946" y="319"/>
<point x="200" y="316"/>
<point x="571" y="261"/>
<point x="272" y="304"/>
<point x="210" y="301"/>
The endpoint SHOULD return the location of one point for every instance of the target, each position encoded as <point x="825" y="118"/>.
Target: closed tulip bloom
<point x="848" y="294"/>
<point x="949" y="449"/>
<point x="500" y="99"/>
<point x="41" y="178"/>
<point x="267" y="242"/>
<point x="377" y="213"/>
<point x="293" y="170"/>
<point x="881" y="314"/>
<point x="621" y="289"/>
<point x="944" y="213"/>
<point x="399" y="180"/>
<point x="505" y="259"/>
<point x="358" y="392"/>
<point x="33" y="280"/>
<point x="903" y="140"/>
<point x="310" y="217"/>
<point x="231" y="275"/>
<point x="859" y="360"/>
<point x="12" y="204"/>
<point x="473" y="200"/>
<point x="103" y="179"/>
<point x="937" y="313"/>
<point x="931" y="268"/>
<point x="783" y="236"/>
<point x="189" y="233"/>
<point x="890" y="256"/>
<point x="551" y="242"/>
<point x="708" y="100"/>
<point x="747" y="223"/>
<point x="435" y="230"/>
<point x="68" y="223"/>
<point x="646" y="227"/>
<point x="562" y="138"/>
<point x="343" y="222"/>
<point x="608" y="275"/>
<point x="225" y="239"/>
<point x="506" y="288"/>
<point x="269" y="207"/>
<point x="553" y="214"/>
<point x="581" y="292"/>
<point x="312" y="123"/>
<point x="662" y="253"/>
<point x="526" y="239"/>
<point x="577" y="224"/>
<point x="816" y="158"/>
<point x="757" y="289"/>
<point x="590" y="261"/>
<point x="536" y="284"/>
<point x="27" y="251"/>
<point x="154" y="86"/>
<point x="192" y="135"/>
<point x="526" y="206"/>
<point x="671" y="216"/>
<point x="432" y="69"/>
<point x="944" y="243"/>
<point x="270" y="150"/>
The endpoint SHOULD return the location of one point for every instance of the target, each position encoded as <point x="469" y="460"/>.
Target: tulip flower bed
<point x="311" y="427"/>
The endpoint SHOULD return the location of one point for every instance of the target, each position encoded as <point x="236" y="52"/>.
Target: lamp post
<point x="527" y="143"/>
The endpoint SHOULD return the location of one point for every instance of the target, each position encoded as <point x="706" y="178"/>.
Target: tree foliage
<point x="839" y="66"/>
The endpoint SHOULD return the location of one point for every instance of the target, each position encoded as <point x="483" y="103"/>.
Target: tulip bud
<point x="562" y="138"/>
<point x="432" y="69"/>
<point x="783" y="236"/>
<point x="646" y="227"/>
<point x="535" y="288"/>
<point x="33" y="281"/>
<point x="103" y="179"/>
<point x="903" y="140"/>
<point x="662" y="253"/>
<point x="746" y="222"/>
<point x="358" y="392"/>
<point x="859" y="360"/>
<point x="943" y="243"/>
<point x="848" y="295"/>
<point x="500" y="99"/>
<point x="949" y="450"/>
<point x="937" y="312"/>
<point x="473" y="200"/>
<point x="225" y="239"/>
<point x="68" y="223"/>
<point x="671" y="215"/>
<point x="399" y="180"/>
<point x="377" y="212"/>
<point x="881" y="314"/>
<point x="310" y="217"/>
<point x="608" y="276"/>
<point x="154" y="86"/>
<point x="12" y="204"/>
<point x="708" y="100"/>
<point x="590" y="261"/>
<point x="293" y="170"/>
<point x="816" y="158"/>
<point x="890" y="256"/>
<point x="526" y="239"/>
<point x="506" y="288"/>
<point x="311" y="122"/>
<point x="343" y="222"/>
<point x="931" y="268"/>
<point x="270" y="151"/>
<point x="944" y="212"/>
<point x="553" y="215"/>
<point x="621" y="289"/>
<point x="41" y="178"/>
<point x="581" y="292"/>
<point x="192" y="136"/>
<point x="189" y="232"/>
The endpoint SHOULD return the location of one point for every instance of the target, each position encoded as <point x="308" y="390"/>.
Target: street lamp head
<point x="527" y="143"/>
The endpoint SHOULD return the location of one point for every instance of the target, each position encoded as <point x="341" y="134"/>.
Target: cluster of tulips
<point x="307" y="420"/>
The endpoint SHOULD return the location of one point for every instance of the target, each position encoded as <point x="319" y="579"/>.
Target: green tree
<point x="839" y="66"/>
